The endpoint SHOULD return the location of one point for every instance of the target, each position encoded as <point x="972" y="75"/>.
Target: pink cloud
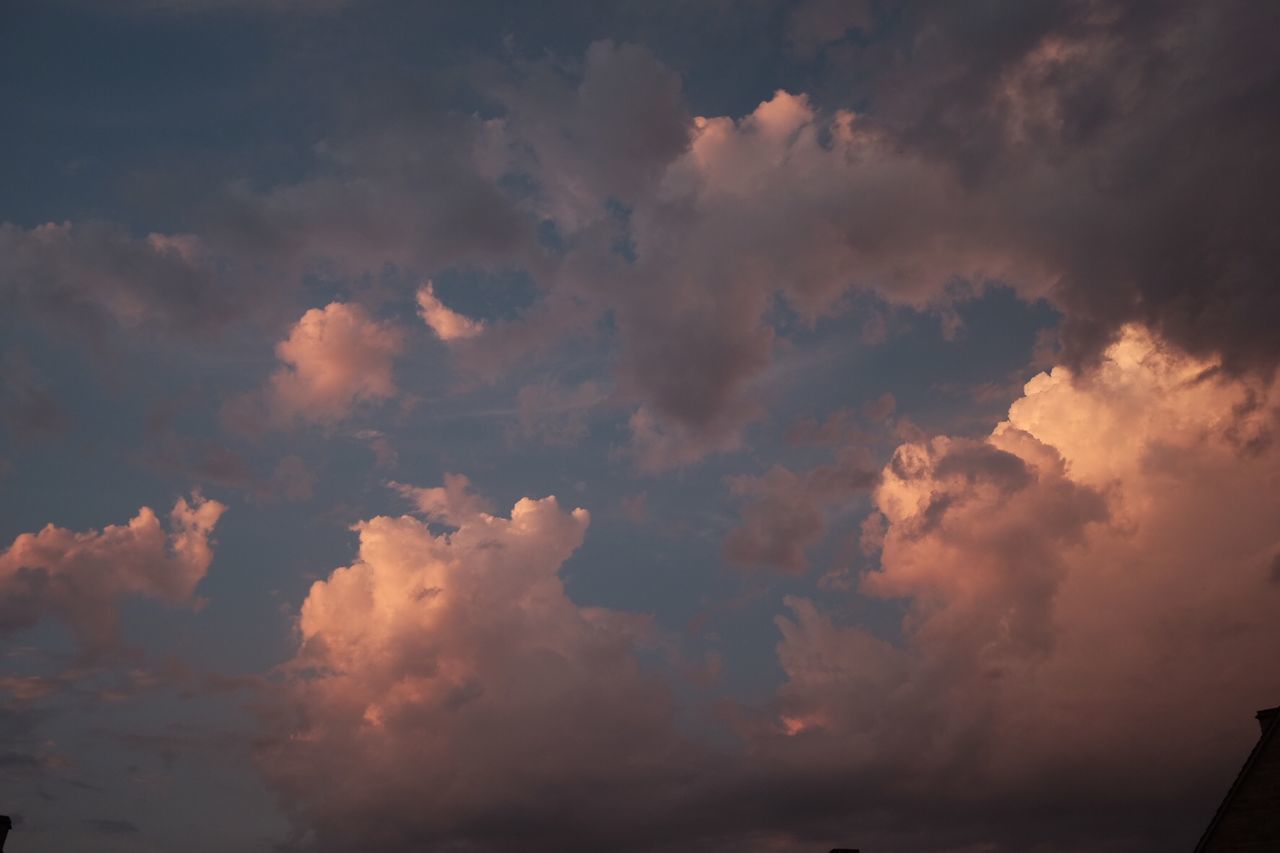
<point x="334" y="359"/>
<point x="784" y="201"/>
<point x="1087" y="585"/>
<point x="448" y="324"/>
<point x="80" y="577"/>
<point x="452" y="686"/>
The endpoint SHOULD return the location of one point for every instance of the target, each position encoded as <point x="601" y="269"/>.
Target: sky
<point x="660" y="426"/>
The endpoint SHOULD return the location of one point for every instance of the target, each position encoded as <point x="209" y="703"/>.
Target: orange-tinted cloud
<point x="448" y="324"/>
<point x="1088" y="587"/>
<point x="785" y="201"/>
<point x="79" y="578"/>
<point x="447" y="688"/>
<point x="334" y="359"/>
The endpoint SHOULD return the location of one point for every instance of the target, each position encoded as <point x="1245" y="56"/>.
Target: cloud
<point x="452" y="503"/>
<point x="788" y="202"/>
<point x="403" y="190"/>
<point x="1103" y="556"/>
<point x="1124" y="144"/>
<point x="385" y="454"/>
<point x="608" y="137"/>
<point x="462" y="699"/>
<point x="1026" y="147"/>
<point x="785" y="202"/>
<point x="448" y="324"/>
<point x="814" y="24"/>
<point x="787" y="511"/>
<point x="96" y="277"/>
<point x="79" y="578"/>
<point x="334" y="359"/>
<point x="212" y="462"/>
<point x="406" y="189"/>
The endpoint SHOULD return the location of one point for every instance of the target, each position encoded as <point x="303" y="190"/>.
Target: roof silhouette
<point x="1248" y="820"/>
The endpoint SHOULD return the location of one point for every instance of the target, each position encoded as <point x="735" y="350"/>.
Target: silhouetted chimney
<point x="5" y="826"/>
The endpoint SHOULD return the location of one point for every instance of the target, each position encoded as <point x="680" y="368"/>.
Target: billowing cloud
<point x="1040" y="160"/>
<point x="448" y="324"/>
<point x="334" y="359"/>
<point x="1087" y="586"/>
<point x="79" y="578"/>
<point x="786" y="201"/>
<point x="449" y="695"/>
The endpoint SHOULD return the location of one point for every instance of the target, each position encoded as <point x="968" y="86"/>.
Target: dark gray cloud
<point x="1128" y="145"/>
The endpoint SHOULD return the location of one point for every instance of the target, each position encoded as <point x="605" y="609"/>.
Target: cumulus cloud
<point x="334" y="359"/>
<point x="1040" y="159"/>
<point x="448" y="324"/>
<point x="1087" y="586"/>
<point x="80" y="577"/>
<point x="786" y="201"/>
<point x="448" y="694"/>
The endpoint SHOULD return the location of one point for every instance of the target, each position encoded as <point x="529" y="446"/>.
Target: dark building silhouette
<point x="5" y="826"/>
<point x="1248" y="821"/>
